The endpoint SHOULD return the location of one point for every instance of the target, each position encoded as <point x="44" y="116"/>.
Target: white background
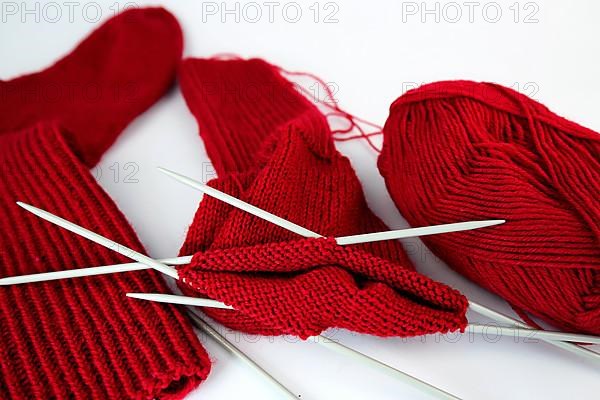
<point x="372" y="54"/>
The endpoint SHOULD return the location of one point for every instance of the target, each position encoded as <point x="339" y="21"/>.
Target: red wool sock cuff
<point x="81" y="337"/>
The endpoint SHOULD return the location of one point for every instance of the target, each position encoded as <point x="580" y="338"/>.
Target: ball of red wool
<point x="460" y="150"/>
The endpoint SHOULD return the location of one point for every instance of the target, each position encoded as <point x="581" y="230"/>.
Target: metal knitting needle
<point x="416" y="232"/>
<point x="331" y="344"/>
<point x="101" y="240"/>
<point x="173" y="299"/>
<point x="576" y="349"/>
<point x="475" y="328"/>
<point x="344" y="240"/>
<point x="127" y="252"/>
<point x="267" y="216"/>
<point x="391" y="371"/>
<point x="81" y="272"/>
<point x="505" y="319"/>
<point x="209" y="330"/>
<point x="532" y="333"/>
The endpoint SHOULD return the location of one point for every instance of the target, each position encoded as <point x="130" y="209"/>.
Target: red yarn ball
<point x="460" y="150"/>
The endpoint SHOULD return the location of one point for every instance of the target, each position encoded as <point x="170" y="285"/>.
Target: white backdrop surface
<point x="370" y="52"/>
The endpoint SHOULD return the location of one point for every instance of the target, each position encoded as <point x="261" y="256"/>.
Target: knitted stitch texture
<point x="272" y="148"/>
<point x="82" y="338"/>
<point x="464" y="150"/>
<point x="112" y="76"/>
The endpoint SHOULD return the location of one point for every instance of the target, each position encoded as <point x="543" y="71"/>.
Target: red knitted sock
<point x="116" y="73"/>
<point x="82" y="338"/>
<point x="272" y="148"/>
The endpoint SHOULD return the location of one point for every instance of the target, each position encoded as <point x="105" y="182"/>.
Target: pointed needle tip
<point x="28" y="207"/>
<point x="165" y="171"/>
<point x="172" y="174"/>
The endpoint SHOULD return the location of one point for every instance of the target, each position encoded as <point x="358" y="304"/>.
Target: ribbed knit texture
<point x="462" y="150"/>
<point x="112" y="76"/>
<point x="272" y="148"/>
<point x="82" y="338"/>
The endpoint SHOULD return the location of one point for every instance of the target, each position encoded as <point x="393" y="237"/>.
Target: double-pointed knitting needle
<point x="505" y="319"/>
<point x="156" y="264"/>
<point x="342" y="240"/>
<point x="174" y="299"/>
<point x="101" y="240"/>
<point x="479" y="308"/>
<point x="226" y="344"/>
<point x="529" y="333"/>
<point x="90" y="271"/>
<point x="127" y="252"/>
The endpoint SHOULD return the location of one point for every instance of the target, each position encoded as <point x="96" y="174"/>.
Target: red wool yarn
<point x="82" y="338"/>
<point x="272" y="148"/>
<point x="462" y="150"/>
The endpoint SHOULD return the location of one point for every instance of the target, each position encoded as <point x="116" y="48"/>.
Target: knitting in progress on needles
<point x="361" y="200"/>
<point x="421" y="385"/>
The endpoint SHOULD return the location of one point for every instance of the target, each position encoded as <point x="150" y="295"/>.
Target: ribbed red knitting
<point x="82" y="338"/>
<point x="272" y="148"/>
<point x="463" y="150"/>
